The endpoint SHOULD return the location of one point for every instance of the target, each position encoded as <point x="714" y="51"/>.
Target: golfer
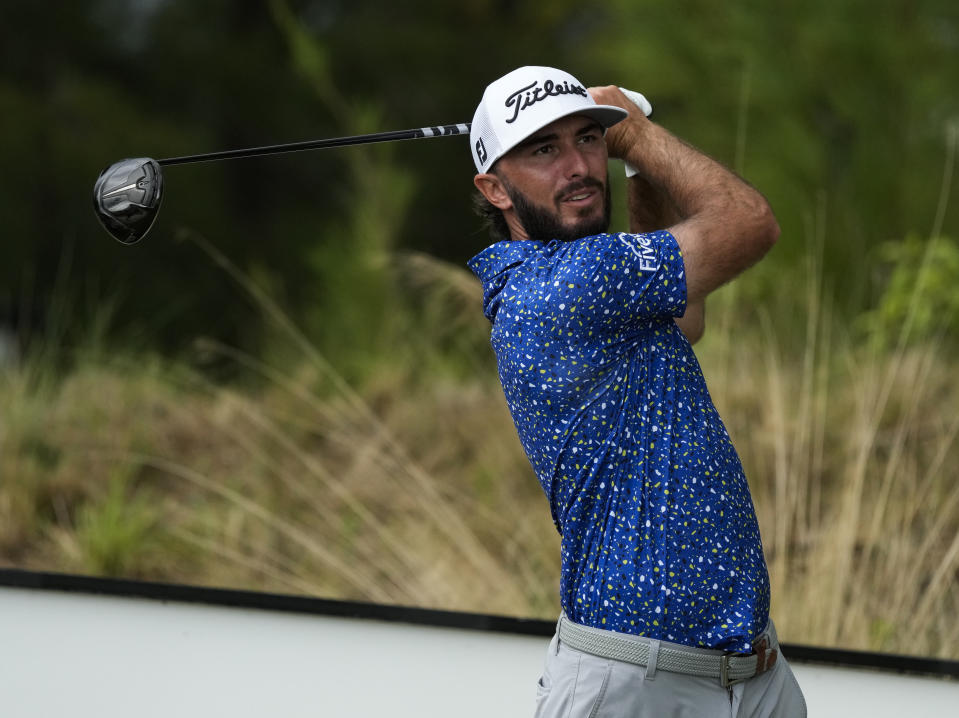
<point x="664" y="588"/>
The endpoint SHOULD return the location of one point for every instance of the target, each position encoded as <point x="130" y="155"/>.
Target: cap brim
<point x="605" y="115"/>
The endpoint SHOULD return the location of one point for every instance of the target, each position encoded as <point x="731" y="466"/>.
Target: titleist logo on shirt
<point x="531" y="94"/>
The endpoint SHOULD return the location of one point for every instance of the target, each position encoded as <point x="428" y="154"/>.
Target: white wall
<point x="68" y="654"/>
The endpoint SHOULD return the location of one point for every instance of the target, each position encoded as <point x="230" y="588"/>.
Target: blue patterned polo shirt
<point x="659" y="534"/>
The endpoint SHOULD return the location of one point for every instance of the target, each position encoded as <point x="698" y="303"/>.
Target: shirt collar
<point x="493" y="265"/>
<point x="499" y="257"/>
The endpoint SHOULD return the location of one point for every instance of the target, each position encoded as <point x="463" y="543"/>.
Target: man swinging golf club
<point x="664" y="588"/>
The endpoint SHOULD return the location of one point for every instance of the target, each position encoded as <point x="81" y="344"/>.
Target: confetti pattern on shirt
<point x="659" y="533"/>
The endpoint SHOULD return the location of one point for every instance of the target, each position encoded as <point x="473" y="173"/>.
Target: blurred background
<point x="287" y="386"/>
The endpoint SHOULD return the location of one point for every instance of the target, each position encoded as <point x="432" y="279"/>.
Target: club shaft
<point x="422" y="132"/>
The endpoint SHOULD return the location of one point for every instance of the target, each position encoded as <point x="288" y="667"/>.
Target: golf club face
<point x="126" y="198"/>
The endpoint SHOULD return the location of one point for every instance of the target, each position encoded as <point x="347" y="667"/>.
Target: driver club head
<point x="126" y="198"/>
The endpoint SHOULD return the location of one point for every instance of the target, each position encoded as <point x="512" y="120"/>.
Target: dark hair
<point x="492" y="217"/>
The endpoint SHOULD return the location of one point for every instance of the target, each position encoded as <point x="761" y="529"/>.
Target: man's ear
<point x="491" y="187"/>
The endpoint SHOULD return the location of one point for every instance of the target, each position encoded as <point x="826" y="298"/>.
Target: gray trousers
<point x="579" y="685"/>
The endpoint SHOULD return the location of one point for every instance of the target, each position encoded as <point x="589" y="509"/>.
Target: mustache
<point x="573" y="187"/>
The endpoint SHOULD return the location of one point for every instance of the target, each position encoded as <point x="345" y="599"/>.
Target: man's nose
<point x="576" y="165"/>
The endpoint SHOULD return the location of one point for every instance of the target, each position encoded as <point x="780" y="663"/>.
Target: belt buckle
<point x="724" y="679"/>
<point x="765" y="659"/>
<point x="765" y="655"/>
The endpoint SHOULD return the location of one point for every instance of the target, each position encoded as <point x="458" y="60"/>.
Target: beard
<point x="543" y="224"/>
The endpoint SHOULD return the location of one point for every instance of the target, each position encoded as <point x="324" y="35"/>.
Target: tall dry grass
<point x="409" y="486"/>
<point x="851" y="456"/>
<point x="851" y="448"/>
<point x="405" y="490"/>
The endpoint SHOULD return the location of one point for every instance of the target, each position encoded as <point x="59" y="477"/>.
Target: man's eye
<point x="543" y="150"/>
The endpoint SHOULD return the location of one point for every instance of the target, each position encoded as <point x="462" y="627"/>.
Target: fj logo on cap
<point x="531" y="94"/>
<point x="481" y="153"/>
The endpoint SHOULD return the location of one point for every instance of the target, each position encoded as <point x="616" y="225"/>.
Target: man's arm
<point x="650" y="208"/>
<point x="693" y="322"/>
<point x="722" y="225"/>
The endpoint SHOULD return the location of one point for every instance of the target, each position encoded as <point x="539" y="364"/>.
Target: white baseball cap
<point x="525" y="101"/>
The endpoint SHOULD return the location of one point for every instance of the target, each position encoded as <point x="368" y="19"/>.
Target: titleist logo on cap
<point x="531" y="94"/>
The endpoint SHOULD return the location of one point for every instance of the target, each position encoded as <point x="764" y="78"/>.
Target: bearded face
<point x="546" y="223"/>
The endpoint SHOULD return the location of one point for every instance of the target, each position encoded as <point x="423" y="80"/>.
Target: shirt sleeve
<point x="610" y="283"/>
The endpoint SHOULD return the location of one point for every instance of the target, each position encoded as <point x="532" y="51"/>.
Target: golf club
<point x="127" y="194"/>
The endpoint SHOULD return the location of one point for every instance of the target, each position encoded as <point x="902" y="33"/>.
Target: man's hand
<point x="650" y="208"/>
<point x="619" y="137"/>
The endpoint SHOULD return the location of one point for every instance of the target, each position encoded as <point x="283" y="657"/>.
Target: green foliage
<point x="115" y="532"/>
<point x="350" y="312"/>
<point x="919" y="301"/>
